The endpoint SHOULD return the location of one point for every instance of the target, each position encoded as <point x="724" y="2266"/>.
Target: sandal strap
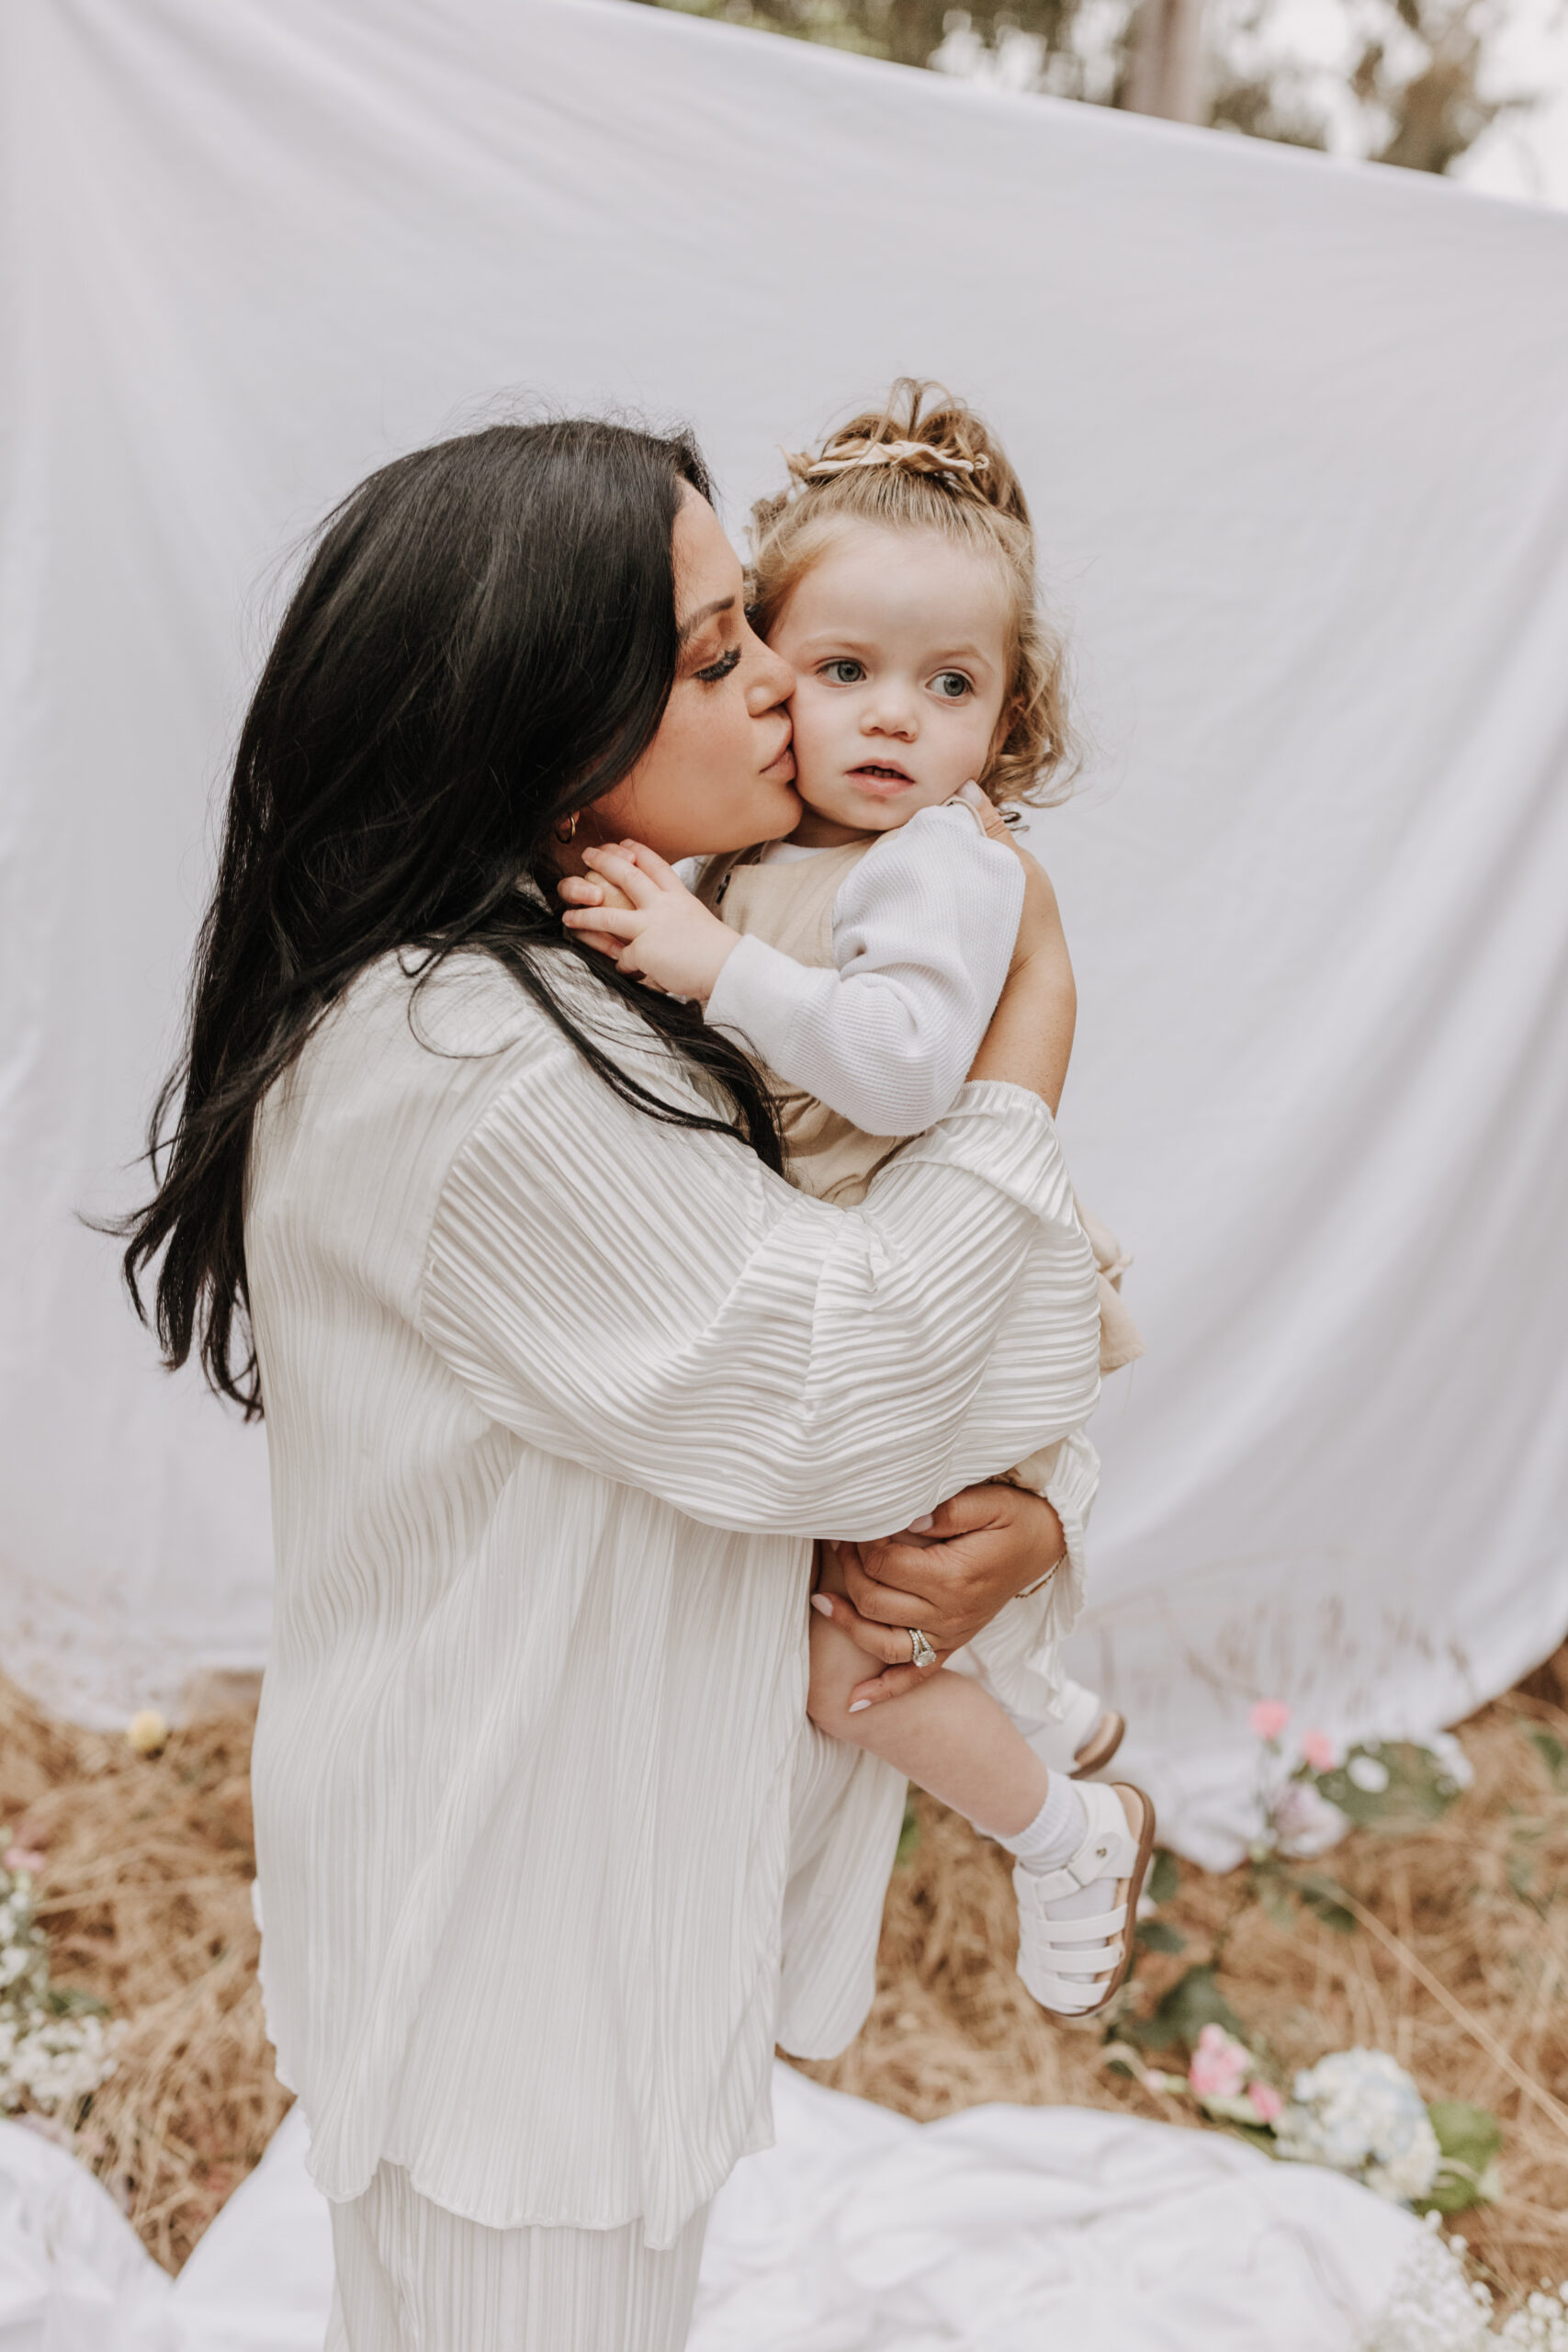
<point x="1068" y="1995"/>
<point x="1109" y="1848"/>
<point x="1055" y="1884"/>
<point x="1100" y="1928"/>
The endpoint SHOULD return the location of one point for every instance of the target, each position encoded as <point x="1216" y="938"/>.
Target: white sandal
<point x="1084" y="1737"/>
<point x="1074" y="1965"/>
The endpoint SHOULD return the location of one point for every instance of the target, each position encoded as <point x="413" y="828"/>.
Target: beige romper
<point x="789" y="905"/>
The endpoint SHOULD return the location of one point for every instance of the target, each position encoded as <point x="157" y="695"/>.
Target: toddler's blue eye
<point x="843" y="674"/>
<point x="951" y="684"/>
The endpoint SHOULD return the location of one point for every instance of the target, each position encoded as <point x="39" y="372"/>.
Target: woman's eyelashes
<point x="721" y="668"/>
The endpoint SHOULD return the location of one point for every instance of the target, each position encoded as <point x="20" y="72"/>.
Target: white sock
<point x="1056" y="1832"/>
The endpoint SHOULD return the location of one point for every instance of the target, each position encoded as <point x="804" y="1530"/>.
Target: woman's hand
<point x="949" y="1575"/>
<point x="1029" y="1041"/>
<point x="662" y="934"/>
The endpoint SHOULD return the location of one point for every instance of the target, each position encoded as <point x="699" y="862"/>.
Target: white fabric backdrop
<point x="1297" y="437"/>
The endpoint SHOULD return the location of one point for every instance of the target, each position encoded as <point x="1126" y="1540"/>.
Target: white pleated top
<point x="556" y="1398"/>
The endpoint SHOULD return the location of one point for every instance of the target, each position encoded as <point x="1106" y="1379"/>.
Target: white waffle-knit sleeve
<point x="924" y="932"/>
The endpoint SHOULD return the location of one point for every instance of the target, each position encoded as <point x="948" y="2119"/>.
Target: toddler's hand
<point x="593" y="891"/>
<point x="986" y="808"/>
<point x="665" y="936"/>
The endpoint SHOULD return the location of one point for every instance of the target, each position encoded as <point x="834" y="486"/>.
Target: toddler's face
<point x="898" y="643"/>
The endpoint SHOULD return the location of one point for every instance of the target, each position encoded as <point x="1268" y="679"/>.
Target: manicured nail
<point x="918" y="1526"/>
<point x="859" y="1706"/>
<point x="823" y="1606"/>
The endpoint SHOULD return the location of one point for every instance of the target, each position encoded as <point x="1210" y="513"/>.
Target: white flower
<point x="1304" y="1821"/>
<point x="1437" y="2307"/>
<point x="47" y="2062"/>
<point x="1358" y="2112"/>
<point x="52" y="2062"/>
<point x="1433" y="2308"/>
<point x="1457" y="1766"/>
<point x="1368" y="1774"/>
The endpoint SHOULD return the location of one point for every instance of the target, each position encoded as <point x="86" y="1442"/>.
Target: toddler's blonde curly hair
<point x="925" y="461"/>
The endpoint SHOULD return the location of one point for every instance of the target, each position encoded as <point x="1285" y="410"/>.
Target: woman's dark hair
<point x="484" y="640"/>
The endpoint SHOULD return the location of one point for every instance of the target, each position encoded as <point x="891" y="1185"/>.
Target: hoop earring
<point x="568" y="832"/>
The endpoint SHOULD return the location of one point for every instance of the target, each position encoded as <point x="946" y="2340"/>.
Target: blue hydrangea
<point x="1358" y="2112"/>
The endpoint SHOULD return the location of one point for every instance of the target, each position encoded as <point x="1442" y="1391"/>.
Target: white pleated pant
<point x="413" y="2278"/>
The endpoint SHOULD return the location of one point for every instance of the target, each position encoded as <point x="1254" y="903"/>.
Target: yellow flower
<point x="147" y="1732"/>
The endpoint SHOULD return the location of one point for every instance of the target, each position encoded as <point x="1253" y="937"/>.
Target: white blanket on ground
<point x="1007" y="2229"/>
<point x="1295" y="439"/>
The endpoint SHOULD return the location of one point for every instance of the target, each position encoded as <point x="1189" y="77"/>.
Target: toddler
<point x="861" y="961"/>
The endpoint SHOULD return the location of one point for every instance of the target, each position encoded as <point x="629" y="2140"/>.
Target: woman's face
<point x="720" y="772"/>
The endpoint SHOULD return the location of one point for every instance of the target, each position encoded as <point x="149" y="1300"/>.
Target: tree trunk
<point x="1166" y="75"/>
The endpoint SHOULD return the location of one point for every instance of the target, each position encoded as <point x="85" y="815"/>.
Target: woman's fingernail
<point x="918" y="1526"/>
<point x="822" y="1605"/>
<point x="859" y="1706"/>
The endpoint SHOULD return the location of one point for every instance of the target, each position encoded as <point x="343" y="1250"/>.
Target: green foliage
<point x="909" y="1832"/>
<point x="1282" y="1888"/>
<point x="70" y="2001"/>
<point x="1164" y="1881"/>
<point x="1520" y="1865"/>
<point x="1159" y="1934"/>
<point x="1553" y="1754"/>
<point x="1470" y="2140"/>
<point x="1409" y="92"/>
<point x="1419" y="1790"/>
<point x="819" y="20"/>
<point x="1325" y="1901"/>
<point x="1194" y="2001"/>
<point x="906" y="32"/>
<point x="1239" y="2115"/>
<point x="1278" y="1895"/>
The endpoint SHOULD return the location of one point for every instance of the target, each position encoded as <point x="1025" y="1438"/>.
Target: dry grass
<point x="145" y="1896"/>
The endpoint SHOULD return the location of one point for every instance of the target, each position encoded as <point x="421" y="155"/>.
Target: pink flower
<point x="1266" y="2100"/>
<point x="1319" y="1751"/>
<point x="1266" y="1718"/>
<point x="1219" y="2066"/>
<point x="21" y="1858"/>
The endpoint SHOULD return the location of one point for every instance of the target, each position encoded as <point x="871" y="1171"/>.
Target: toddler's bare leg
<point x="949" y="1736"/>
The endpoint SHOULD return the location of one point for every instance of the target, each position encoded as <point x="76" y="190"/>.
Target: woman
<point x="561" y="1377"/>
